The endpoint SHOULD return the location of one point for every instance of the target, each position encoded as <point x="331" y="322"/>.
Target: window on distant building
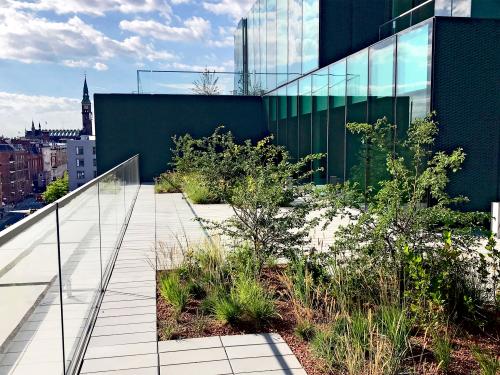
<point x="79" y="150"/>
<point x="80" y="162"/>
<point x="95" y="162"/>
<point x="95" y="174"/>
<point x="80" y="175"/>
<point x="93" y="150"/>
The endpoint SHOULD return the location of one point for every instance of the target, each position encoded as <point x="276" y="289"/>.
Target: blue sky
<point x="47" y="45"/>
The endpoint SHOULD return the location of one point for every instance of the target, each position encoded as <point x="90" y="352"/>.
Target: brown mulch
<point x="191" y="323"/>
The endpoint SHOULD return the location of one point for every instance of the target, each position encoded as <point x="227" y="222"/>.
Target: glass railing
<point x="407" y="19"/>
<point x="54" y="267"/>
<point x="209" y="82"/>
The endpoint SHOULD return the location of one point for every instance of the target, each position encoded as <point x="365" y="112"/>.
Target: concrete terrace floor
<point x="124" y="339"/>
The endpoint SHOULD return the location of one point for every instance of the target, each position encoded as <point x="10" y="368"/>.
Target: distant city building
<point x="50" y="135"/>
<point x="82" y="165"/>
<point x="55" y="161"/>
<point x="62" y="135"/>
<point x="15" y="179"/>
<point x="86" y="110"/>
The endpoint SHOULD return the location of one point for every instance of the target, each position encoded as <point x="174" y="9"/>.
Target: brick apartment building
<point x="15" y="179"/>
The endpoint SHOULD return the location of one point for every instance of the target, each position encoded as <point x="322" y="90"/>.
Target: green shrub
<point x="255" y="302"/>
<point x="174" y="291"/>
<point x="305" y="330"/>
<point x="394" y="323"/>
<point x="442" y="349"/>
<point x="170" y="182"/>
<point x="197" y="191"/>
<point x="170" y="330"/>
<point x="489" y="364"/>
<point x="226" y="309"/>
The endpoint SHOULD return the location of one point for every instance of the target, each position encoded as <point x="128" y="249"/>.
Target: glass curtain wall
<point x="271" y="52"/>
<point x="294" y="39"/>
<point x="263" y="45"/>
<point x="413" y="78"/>
<point x="310" y="42"/>
<point x="320" y="122"/>
<point x="282" y="40"/>
<point x="390" y="79"/>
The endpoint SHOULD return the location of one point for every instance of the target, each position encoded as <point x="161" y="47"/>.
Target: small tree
<point x="206" y="84"/>
<point x="256" y="180"/>
<point x="410" y="224"/>
<point x="56" y="189"/>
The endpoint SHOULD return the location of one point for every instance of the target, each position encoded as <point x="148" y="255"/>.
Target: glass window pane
<point x="257" y="45"/>
<point x="292" y="124"/>
<point x="382" y="88"/>
<point x="282" y="116"/>
<point x="271" y="44"/>
<point x="294" y="39"/>
<point x="263" y="45"/>
<point x="305" y="107"/>
<point x="320" y="122"/>
<point x="357" y="90"/>
<point x="336" y="125"/>
<point x="414" y="70"/>
<point x="461" y="8"/>
<point x="282" y="36"/>
<point x="310" y="41"/>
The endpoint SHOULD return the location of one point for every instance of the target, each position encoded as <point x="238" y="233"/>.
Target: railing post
<point x="60" y="285"/>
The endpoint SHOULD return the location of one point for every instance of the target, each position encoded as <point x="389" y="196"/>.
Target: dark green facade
<point x="129" y="124"/>
<point x="466" y="96"/>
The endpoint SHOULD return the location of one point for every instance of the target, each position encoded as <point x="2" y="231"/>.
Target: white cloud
<point x="194" y="28"/>
<point x="233" y="8"/>
<point x="94" y="7"/>
<point x="100" y="66"/>
<point x="30" y="39"/>
<point x="17" y="111"/>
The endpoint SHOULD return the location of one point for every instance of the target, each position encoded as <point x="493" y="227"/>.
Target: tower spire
<point x="86" y="98"/>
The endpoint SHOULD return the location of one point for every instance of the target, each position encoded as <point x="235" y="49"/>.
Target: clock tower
<point x="86" y="111"/>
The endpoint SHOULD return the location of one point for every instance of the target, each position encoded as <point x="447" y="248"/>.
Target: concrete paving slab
<point x="252" y="339"/>
<point x="265" y="364"/>
<point x="205" y="368"/>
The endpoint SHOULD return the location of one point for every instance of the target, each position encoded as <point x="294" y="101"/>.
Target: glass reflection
<point x="282" y="116"/>
<point x="271" y="44"/>
<point x="414" y="72"/>
<point x="293" y="120"/>
<point x="305" y="107"/>
<point x="336" y="127"/>
<point x="294" y="39"/>
<point x="282" y="37"/>
<point x="320" y="122"/>
<point x="310" y="41"/>
<point x="357" y="91"/>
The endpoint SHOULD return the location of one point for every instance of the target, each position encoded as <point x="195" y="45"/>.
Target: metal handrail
<point x="15" y="229"/>
<point x="410" y="11"/>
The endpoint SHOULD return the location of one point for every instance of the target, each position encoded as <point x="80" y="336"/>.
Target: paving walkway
<point x="262" y="354"/>
<point x="124" y="339"/>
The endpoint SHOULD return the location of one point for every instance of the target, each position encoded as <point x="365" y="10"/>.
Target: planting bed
<point x="193" y="323"/>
